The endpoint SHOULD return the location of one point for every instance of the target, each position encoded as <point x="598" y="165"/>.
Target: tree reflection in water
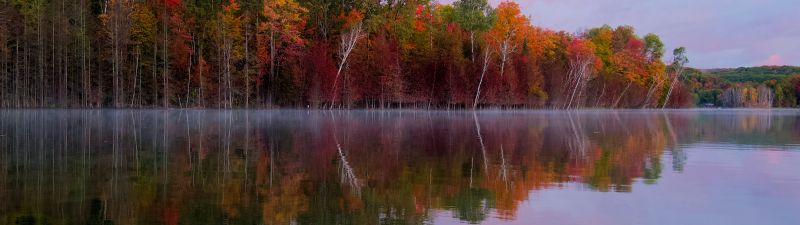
<point x="331" y="167"/>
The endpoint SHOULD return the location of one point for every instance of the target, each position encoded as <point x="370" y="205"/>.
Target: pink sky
<point x="716" y="33"/>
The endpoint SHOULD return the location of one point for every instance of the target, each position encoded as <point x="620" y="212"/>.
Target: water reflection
<point x="282" y="167"/>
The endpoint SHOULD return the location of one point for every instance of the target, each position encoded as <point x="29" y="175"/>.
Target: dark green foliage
<point x="755" y="74"/>
<point x="707" y="86"/>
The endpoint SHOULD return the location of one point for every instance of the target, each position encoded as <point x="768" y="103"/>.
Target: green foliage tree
<point x="474" y="16"/>
<point x="654" y="48"/>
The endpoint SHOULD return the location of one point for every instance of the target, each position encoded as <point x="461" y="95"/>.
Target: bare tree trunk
<point x="42" y="82"/>
<point x="578" y="76"/>
<point x="671" y="86"/>
<point x="616" y="103"/>
<point x="135" y="76"/>
<point x="189" y="73"/>
<point x="115" y="64"/>
<point x="228" y="55"/>
<point x="247" y="68"/>
<point x="4" y="74"/>
<point x="506" y="48"/>
<point x="16" y="73"/>
<point x="26" y="92"/>
<point x="226" y="70"/>
<point x="349" y="41"/>
<point x="602" y="93"/>
<point x="678" y="61"/>
<point x="650" y="93"/>
<point x="165" y="78"/>
<point x="472" y="45"/>
<point x="65" y="56"/>
<point x="220" y="68"/>
<point x="200" y="79"/>
<point x="154" y="69"/>
<point x="86" y="86"/>
<point x="483" y="73"/>
<point x="575" y="78"/>
<point x="271" y="64"/>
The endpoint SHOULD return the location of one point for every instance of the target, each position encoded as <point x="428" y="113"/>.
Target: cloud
<point x="773" y="60"/>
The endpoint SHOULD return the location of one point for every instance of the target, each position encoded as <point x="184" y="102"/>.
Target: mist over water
<point x="399" y="167"/>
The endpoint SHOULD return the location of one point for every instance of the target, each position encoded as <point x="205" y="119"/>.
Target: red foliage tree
<point x="321" y="70"/>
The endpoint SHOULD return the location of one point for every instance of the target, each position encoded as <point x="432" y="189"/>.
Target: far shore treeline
<point x="343" y="54"/>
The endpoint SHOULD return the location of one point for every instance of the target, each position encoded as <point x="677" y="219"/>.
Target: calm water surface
<point x="399" y="167"/>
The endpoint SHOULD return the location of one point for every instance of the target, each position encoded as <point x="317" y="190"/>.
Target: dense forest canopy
<point x="765" y="86"/>
<point x="755" y="74"/>
<point x="322" y="54"/>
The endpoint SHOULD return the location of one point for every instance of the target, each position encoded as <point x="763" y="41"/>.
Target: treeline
<point x="765" y="86"/>
<point x="754" y="74"/>
<point x="321" y="54"/>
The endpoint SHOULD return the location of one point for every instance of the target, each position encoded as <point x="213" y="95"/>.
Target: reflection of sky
<point x="759" y="186"/>
<point x="729" y="33"/>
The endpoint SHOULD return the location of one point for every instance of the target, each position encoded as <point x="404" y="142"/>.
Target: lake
<point x="399" y="167"/>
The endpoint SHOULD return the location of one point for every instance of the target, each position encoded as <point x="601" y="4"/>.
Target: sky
<point x="716" y="33"/>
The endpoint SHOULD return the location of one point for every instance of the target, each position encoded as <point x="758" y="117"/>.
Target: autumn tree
<point x="654" y="50"/>
<point x="582" y="64"/>
<point x="353" y="31"/>
<point x="143" y="38"/>
<point x="320" y="53"/>
<point x="280" y="35"/>
<point x="506" y="37"/>
<point x="231" y="36"/>
<point x="508" y="31"/>
<point x="181" y="53"/>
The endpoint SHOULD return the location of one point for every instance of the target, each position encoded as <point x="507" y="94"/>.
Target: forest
<point x="329" y="54"/>
<point x="764" y="86"/>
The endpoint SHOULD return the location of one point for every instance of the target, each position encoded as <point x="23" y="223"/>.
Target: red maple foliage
<point x="172" y="3"/>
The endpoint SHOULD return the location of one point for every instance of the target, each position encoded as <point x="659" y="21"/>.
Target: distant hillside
<point x="764" y="86"/>
<point x="754" y="74"/>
